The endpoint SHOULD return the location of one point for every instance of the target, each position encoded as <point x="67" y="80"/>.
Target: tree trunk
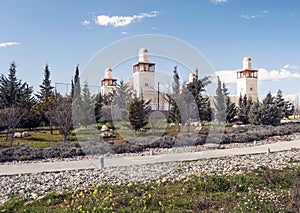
<point x="65" y="138"/>
<point x="51" y="129"/>
<point x="12" y="137"/>
<point x="6" y="135"/>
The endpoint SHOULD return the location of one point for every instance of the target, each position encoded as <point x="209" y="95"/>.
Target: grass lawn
<point x="262" y="190"/>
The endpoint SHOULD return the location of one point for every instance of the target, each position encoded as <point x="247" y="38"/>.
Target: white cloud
<point x="219" y="1"/>
<point x="272" y="75"/>
<point x="86" y="23"/>
<point x="121" y="21"/>
<point x="287" y="66"/>
<point x="124" y="33"/>
<point x="229" y="76"/>
<point x="153" y="28"/>
<point x="259" y="15"/>
<point x="7" y="44"/>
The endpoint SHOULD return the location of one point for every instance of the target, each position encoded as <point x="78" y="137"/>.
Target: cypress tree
<point x="174" y="115"/>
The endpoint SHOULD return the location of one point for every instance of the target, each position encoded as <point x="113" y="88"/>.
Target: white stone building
<point x="247" y="80"/>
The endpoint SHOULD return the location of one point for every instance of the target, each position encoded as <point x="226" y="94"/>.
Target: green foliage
<point x="174" y="115"/>
<point x="122" y="96"/>
<point x="219" y="103"/>
<point x="46" y="89"/>
<point x="270" y="113"/>
<point x="98" y="103"/>
<point x="197" y="88"/>
<point x="87" y="108"/>
<point x="14" y="93"/>
<point x="244" y="109"/>
<point x="255" y="114"/>
<point x="287" y="108"/>
<point x="138" y="111"/>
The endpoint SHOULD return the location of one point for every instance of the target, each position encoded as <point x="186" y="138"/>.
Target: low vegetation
<point x="263" y="190"/>
<point x="41" y="144"/>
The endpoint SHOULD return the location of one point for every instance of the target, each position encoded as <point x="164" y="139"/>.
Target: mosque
<point x="143" y="82"/>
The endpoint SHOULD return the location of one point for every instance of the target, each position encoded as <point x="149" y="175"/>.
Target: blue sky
<point x="66" y="33"/>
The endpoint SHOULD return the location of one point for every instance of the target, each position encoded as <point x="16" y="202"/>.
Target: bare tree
<point x="10" y="118"/>
<point x="59" y="112"/>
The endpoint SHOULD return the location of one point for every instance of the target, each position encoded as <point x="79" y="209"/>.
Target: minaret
<point x="108" y="83"/>
<point x="143" y="75"/>
<point x="247" y="80"/>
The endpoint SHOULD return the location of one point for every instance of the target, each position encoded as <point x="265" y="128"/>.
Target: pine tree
<point x="255" y="114"/>
<point x="219" y="103"/>
<point x="138" y="113"/>
<point x="287" y="108"/>
<point x="174" y="115"/>
<point x="244" y="108"/>
<point x="13" y="92"/>
<point x="122" y="95"/>
<point x="46" y="89"/>
<point x="197" y="88"/>
<point x="116" y="103"/>
<point x="87" y="115"/>
<point x="98" y="102"/>
<point x="270" y="113"/>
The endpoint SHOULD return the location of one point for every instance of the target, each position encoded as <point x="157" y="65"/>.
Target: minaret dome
<point x="143" y="55"/>
<point x="108" y="73"/>
<point x="247" y="63"/>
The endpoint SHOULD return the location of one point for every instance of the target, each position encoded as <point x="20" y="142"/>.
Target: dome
<point x="143" y="55"/>
<point x="247" y="58"/>
<point x="108" y="73"/>
<point x="247" y="62"/>
<point x="143" y="50"/>
<point x="108" y="70"/>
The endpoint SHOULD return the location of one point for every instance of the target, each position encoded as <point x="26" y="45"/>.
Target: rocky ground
<point x="36" y="186"/>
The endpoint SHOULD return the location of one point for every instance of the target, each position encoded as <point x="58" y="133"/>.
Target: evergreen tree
<point x="197" y="88"/>
<point x="98" y="102"/>
<point x="118" y="103"/>
<point x="174" y="115"/>
<point x="287" y="108"/>
<point x="270" y="113"/>
<point x="76" y="98"/>
<point x="14" y="93"/>
<point x="138" y="111"/>
<point x="46" y="89"/>
<point x="244" y="108"/>
<point x="255" y="114"/>
<point x="231" y="110"/>
<point x="77" y="86"/>
<point x="122" y="95"/>
<point x="87" y="115"/>
<point x="176" y="83"/>
<point x="219" y="103"/>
